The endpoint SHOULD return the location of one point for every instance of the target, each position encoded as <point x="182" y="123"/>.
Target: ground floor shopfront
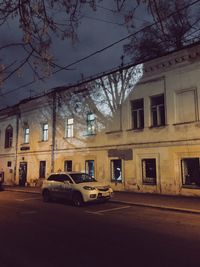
<point x="146" y="168"/>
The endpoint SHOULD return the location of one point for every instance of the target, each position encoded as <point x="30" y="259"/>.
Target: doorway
<point x="22" y="173"/>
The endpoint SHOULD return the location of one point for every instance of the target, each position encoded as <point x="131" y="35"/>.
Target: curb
<point x="167" y="208"/>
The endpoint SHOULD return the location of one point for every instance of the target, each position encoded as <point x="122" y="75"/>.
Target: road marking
<point x="28" y="212"/>
<point x="100" y="212"/>
<point x="27" y="199"/>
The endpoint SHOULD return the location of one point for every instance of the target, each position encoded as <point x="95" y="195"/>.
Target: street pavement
<point x="156" y="201"/>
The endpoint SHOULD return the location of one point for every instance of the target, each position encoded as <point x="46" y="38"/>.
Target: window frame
<point x="144" y="164"/>
<point x="88" y="169"/>
<point x="26" y="135"/>
<point x="137" y="113"/>
<point x="191" y="174"/>
<point x="8" y="136"/>
<point x="112" y="171"/>
<point x="91" y="124"/>
<point x="158" y="117"/>
<point x="69" y="128"/>
<point x="45" y="132"/>
<point x="42" y="169"/>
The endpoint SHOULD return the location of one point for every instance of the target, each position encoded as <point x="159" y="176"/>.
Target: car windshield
<point x="82" y="178"/>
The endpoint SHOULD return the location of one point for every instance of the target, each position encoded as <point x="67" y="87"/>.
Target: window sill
<point x="183" y="123"/>
<point x="116" y="182"/>
<point x="191" y="186"/>
<point x="89" y="134"/>
<point x="157" y="126"/>
<point x="43" y="141"/>
<point x="113" y="132"/>
<point x="154" y="184"/>
<point x="135" y="130"/>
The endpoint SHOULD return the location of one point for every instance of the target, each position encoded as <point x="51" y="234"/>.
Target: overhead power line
<point x="102" y="49"/>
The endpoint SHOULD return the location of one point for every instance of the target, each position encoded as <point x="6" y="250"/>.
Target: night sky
<point x="96" y="31"/>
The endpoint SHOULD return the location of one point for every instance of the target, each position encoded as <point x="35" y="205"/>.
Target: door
<point x="22" y="173"/>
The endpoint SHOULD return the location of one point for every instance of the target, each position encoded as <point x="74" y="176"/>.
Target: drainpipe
<point x="53" y="130"/>
<point x="16" y="145"/>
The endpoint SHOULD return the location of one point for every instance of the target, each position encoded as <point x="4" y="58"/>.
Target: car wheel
<point x="77" y="199"/>
<point x="46" y="196"/>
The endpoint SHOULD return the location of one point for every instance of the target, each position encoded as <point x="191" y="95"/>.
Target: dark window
<point x="149" y="171"/>
<point x="157" y="111"/>
<point x="9" y="164"/>
<point x="8" y="136"/>
<point x="190" y="171"/>
<point x="91" y="124"/>
<point x="59" y="178"/>
<point x="116" y="170"/>
<point x="137" y="107"/>
<point x="42" y="170"/>
<point x="89" y="167"/>
<point x="68" y="165"/>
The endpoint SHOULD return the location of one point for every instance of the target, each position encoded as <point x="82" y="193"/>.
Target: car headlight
<point x="89" y="187"/>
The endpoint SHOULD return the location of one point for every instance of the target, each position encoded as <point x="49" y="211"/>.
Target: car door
<point x="66" y="186"/>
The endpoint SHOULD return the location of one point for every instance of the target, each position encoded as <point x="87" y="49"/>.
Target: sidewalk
<point x="164" y="202"/>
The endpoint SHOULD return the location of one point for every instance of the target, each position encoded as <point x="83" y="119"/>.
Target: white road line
<point x="100" y="212"/>
<point x="26" y="199"/>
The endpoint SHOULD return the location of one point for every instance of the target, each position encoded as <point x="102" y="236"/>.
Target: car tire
<point x="46" y="196"/>
<point x="77" y="199"/>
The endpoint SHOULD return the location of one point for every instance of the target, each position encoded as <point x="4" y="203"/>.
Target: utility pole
<point x="53" y="130"/>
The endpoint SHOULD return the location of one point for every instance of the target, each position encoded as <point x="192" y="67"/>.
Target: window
<point x="26" y="135"/>
<point x="9" y="164"/>
<point x="137" y="107"/>
<point x="42" y="170"/>
<point x="45" y="132"/>
<point x="68" y="165"/>
<point x="89" y="167"/>
<point x="157" y="111"/>
<point x="186" y="106"/>
<point x="8" y="136"/>
<point x="91" y="123"/>
<point x="190" y="169"/>
<point x="116" y="170"/>
<point x="149" y="171"/>
<point x="69" y="128"/>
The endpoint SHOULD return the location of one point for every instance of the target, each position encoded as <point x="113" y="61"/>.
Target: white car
<point x="76" y="186"/>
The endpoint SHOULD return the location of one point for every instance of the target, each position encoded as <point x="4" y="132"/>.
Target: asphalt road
<point x="33" y="233"/>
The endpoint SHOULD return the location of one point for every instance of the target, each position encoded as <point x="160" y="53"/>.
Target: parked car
<point x="75" y="186"/>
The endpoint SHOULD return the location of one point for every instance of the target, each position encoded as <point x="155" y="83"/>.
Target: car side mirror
<point x="67" y="182"/>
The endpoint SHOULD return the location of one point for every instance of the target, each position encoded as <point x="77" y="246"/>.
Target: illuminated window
<point x="45" y="132"/>
<point x="149" y="171"/>
<point x="69" y="128"/>
<point x="190" y="168"/>
<point x="89" y="167"/>
<point x="26" y="135"/>
<point x="8" y="136"/>
<point x="137" y="113"/>
<point x="68" y="165"/>
<point x="157" y="111"/>
<point x="116" y="170"/>
<point x="42" y="170"/>
<point x="91" y="123"/>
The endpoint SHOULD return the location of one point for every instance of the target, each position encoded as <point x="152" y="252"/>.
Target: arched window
<point x="8" y="136"/>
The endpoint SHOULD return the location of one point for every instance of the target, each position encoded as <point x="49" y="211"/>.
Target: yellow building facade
<point x="137" y="127"/>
